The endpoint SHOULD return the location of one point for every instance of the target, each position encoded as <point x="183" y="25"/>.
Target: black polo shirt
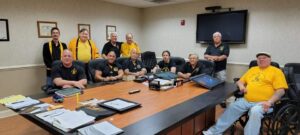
<point x="109" y="47"/>
<point x="222" y="49"/>
<point x="166" y="67"/>
<point x="56" y="54"/>
<point x="109" y="69"/>
<point x="187" y="68"/>
<point x="74" y="73"/>
<point x="133" y="66"/>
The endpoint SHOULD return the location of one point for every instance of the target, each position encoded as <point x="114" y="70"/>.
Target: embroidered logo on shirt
<point x="74" y="71"/>
<point x="116" y="68"/>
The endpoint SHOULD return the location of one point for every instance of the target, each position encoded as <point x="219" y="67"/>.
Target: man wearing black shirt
<point x="218" y="52"/>
<point x="112" y="45"/>
<point x="133" y="66"/>
<point x="191" y="68"/>
<point x="109" y="70"/>
<point x="166" y="65"/>
<point x="67" y="75"/>
<point x="52" y="51"/>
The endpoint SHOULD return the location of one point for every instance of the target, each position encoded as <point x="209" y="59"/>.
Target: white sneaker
<point x="207" y="132"/>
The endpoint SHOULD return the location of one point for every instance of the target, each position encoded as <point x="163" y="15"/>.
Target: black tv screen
<point x="232" y="25"/>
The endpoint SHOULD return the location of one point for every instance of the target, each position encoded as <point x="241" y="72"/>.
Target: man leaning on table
<point x="262" y="85"/>
<point x="67" y="74"/>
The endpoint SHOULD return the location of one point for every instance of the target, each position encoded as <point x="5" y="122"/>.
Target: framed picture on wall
<point x="109" y="30"/>
<point x="4" y="32"/>
<point x="44" y="28"/>
<point x="85" y="26"/>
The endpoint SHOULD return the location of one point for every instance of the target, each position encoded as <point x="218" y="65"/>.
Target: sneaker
<point x="207" y="132"/>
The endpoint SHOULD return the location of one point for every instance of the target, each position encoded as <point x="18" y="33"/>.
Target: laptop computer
<point x="206" y="81"/>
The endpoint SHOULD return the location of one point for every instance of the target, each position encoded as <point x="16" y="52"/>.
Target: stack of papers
<point x="66" y="120"/>
<point x="22" y="103"/>
<point x="163" y="82"/>
<point x="103" y="128"/>
<point x="11" y="99"/>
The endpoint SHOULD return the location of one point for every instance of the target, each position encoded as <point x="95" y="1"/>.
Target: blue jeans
<point x="235" y="111"/>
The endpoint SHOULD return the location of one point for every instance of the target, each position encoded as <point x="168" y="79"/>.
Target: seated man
<point x="262" y="85"/>
<point x="166" y="65"/>
<point x="191" y="68"/>
<point x="133" y="66"/>
<point x="67" y="74"/>
<point x="109" y="70"/>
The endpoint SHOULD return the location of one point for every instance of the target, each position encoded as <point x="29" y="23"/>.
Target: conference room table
<point x="183" y="110"/>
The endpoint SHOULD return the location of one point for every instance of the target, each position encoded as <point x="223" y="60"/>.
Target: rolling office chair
<point x="208" y="66"/>
<point x="121" y="60"/>
<point x="179" y="62"/>
<point x="267" y="120"/>
<point x="149" y="60"/>
<point x="92" y="65"/>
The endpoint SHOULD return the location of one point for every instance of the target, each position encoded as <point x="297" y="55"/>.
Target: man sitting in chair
<point x="133" y="66"/>
<point x="109" y="70"/>
<point x="191" y="68"/>
<point x="262" y="86"/>
<point x="67" y="74"/>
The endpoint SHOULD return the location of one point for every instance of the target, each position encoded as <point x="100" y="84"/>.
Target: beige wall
<point x="21" y="70"/>
<point x="272" y="26"/>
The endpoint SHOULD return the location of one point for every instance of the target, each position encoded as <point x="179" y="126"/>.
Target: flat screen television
<point x="231" y="24"/>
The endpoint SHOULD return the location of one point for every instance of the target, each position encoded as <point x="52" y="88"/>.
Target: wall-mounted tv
<point x="231" y="24"/>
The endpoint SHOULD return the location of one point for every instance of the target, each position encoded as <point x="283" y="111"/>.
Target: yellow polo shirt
<point x="261" y="84"/>
<point x="84" y="51"/>
<point x="126" y="48"/>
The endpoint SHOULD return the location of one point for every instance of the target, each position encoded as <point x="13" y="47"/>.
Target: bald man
<point x="129" y="45"/>
<point x="112" y="45"/>
<point x="133" y="66"/>
<point x="68" y="75"/>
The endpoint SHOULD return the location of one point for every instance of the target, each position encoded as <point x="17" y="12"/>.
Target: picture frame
<point x="4" y="30"/>
<point x="44" y="28"/>
<point x="86" y="26"/>
<point x="109" y="30"/>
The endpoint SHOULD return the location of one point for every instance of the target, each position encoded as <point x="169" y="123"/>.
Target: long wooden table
<point x="186" y="109"/>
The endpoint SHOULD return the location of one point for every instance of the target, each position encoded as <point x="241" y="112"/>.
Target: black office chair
<point x="92" y="65"/>
<point x="121" y="60"/>
<point x="149" y="60"/>
<point x="179" y="62"/>
<point x="208" y="66"/>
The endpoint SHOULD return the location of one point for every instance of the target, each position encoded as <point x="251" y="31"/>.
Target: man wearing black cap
<point x="262" y="86"/>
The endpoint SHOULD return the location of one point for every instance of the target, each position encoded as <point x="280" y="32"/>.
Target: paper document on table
<point x="103" y="128"/>
<point x="49" y="115"/>
<point x="71" y="120"/>
<point x="11" y="99"/>
<point x="119" y="104"/>
<point x="22" y="103"/>
<point x="163" y="82"/>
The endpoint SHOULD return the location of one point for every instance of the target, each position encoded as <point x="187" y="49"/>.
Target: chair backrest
<point x="292" y="73"/>
<point x="121" y="60"/>
<point x="208" y="66"/>
<point x="254" y="63"/>
<point x="92" y="65"/>
<point x="149" y="60"/>
<point x="179" y="62"/>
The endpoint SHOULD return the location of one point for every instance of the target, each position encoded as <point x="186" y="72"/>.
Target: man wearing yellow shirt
<point x="262" y="85"/>
<point x="82" y="48"/>
<point x="127" y="46"/>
